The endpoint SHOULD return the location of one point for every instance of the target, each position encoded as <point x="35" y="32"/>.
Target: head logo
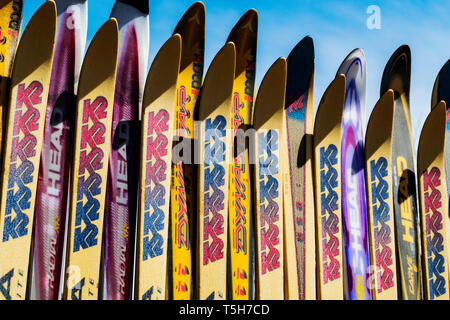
<point x="213" y="196"/>
<point x="269" y="209"/>
<point x="329" y="206"/>
<point x="156" y="173"/>
<point x="381" y="215"/>
<point x="434" y="233"/>
<point x="89" y="181"/>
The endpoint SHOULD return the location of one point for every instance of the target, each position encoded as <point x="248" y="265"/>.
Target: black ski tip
<point x="141" y="5"/>
<point x="197" y="9"/>
<point x="300" y="69"/>
<point x="357" y="53"/>
<point x="397" y="68"/>
<point x="250" y="18"/>
<point x="442" y="85"/>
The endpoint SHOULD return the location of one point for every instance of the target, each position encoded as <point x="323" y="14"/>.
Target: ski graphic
<point x="23" y="143"/>
<point x="396" y="76"/>
<point x="354" y="204"/>
<point x="214" y="155"/>
<point x="434" y="204"/>
<point x="54" y="171"/>
<point x="240" y="219"/>
<point x="268" y="174"/>
<point x="380" y="204"/>
<point x="327" y="169"/>
<point x="191" y="28"/>
<point x="300" y="276"/>
<point x="10" y="25"/>
<point x="94" y="113"/>
<point x="122" y="188"/>
<point x="156" y="159"/>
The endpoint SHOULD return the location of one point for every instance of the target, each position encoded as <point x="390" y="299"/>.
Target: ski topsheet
<point x="183" y="191"/>
<point x="23" y="143"/>
<point x="300" y="276"/>
<point x="380" y="205"/>
<point x="396" y="76"/>
<point x="327" y="169"/>
<point x="54" y="172"/>
<point x="10" y="25"/>
<point x="123" y="173"/>
<point x="156" y="159"/>
<point x="214" y="155"/>
<point x="353" y="183"/>
<point x="241" y="245"/>
<point x="268" y="174"/>
<point x="434" y="204"/>
<point x="90" y="164"/>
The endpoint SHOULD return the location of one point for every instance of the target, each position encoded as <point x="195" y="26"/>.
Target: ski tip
<point x="379" y="127"/>
<point x="355" y="58"/>
<point x="218" y="83"/>
<point x="397" y="73"/>
<point x="194" y="14"/>
<point x="441" y="89"/>
<point x="432" y="137"/>
<point x="164" y="70"/>
<point x="141" y="5"/>
<point x="300" y="69"/>
<point x="247" y="23"/>
<point x="271" y="93"/>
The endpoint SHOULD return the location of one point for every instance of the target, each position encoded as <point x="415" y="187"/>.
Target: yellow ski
<point x="434" y="204"/>
<point x="156" y="159"/>
<point x="214" y="156"/>
<point x="327" y="168"/>
<point x="23" y="142"/>
<point x="183" y="191"/>
<point x="10" y="25"/>
<point x="382" y="238"/>
<point x="90" y="164"/>
<point x="268" y="174"/>
<point x="244" y="36"/>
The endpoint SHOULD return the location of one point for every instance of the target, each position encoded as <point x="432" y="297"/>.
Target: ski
<point x="94" y="113"/>
<point x="380" y="203"/>
<point x="23" y="144"/>
<point x="268" y="174"/>
<point x="122" y="188"/>
<point x="353" y="182"/>
<point x="240" y="219"/>
<point x="300" y="276"/>
<point x="214" y="155"/>
<point x="10" y="24"/>
<point x="156" y="159"/>
<point x="396" y="76"/>
<point x="327" y="174"/>
<point x="54" y="171"/>
<point x="434" y="204"/>
<point x="191" y="27"/>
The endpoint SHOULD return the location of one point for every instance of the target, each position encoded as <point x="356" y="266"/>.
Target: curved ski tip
<point x="249" y="20"/>
<point x="198" y="6"/>
<point x="195" y="12"/>
<point x="356" y="54"/>
<point x="48" y="8"/>
<point x="397" y="72"/>
<point x="303" y="50"/>
<point x="141" y="5"/>
<point x="441" y="88"/>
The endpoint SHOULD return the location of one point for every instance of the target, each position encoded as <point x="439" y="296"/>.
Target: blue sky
<point x="336" y="26"/>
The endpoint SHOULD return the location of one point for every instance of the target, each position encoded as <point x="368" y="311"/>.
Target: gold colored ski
<point x="95" y="102"/>
<point x="382" y="237"/>
<point x="268" y="175"/>
<point x="327" y="168"/>
<point x="244" y="36"/>
<point x="214" y="156"/>
<point x="23" y="142"/>
<point x="10" y="25"/>
<point x="183" y="191"/>
<point x="434" y="204"/>
<point x="156" y="159"/>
